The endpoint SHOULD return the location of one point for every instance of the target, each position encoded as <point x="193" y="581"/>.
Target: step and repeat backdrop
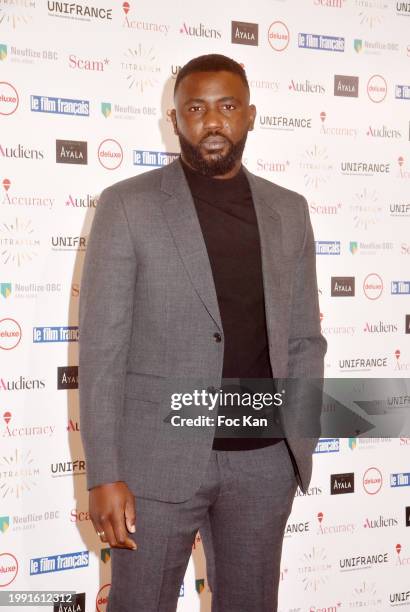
<point x="85" y="93"/>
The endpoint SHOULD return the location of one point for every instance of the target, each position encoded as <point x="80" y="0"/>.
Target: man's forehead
<point x="217" y="84"/>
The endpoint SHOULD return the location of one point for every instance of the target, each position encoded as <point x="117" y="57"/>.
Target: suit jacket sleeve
<point x="105" y="316"/>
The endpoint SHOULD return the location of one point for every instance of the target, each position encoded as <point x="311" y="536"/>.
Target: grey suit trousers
<point x="240" y="509"/>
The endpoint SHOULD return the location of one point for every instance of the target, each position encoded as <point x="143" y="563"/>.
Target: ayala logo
<point x="324" y="529"/>
<point x="76" y="604"/>
<point x="67" y="377"/>
<point x="199" y="31"/>
<point x="341" y="483"/>
<point x="71" y="152"/>
<point x="342" y="286"/>
<point x="244" y="33"/>
<point x="9" y="98"/>
<point x="377" y="88"/>
<point x="346" y="86"/>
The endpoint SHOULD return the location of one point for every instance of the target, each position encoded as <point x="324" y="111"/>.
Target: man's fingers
<point x="130" y="516"/>
<point x="108" y="533"/>
<point x="120" y="532"/>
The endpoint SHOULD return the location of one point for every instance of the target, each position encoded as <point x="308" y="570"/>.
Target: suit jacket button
<point x="218" y="337"/>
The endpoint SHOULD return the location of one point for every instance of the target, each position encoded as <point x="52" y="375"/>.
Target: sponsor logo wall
<point x="332" y="88"/>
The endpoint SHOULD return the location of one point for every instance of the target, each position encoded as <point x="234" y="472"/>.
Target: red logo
<point x="372" y="481"/>
<point x="278" y="36"/>
<point x="377" y="88"/>
<point x="110" y="154"/>
<point x="10" y="334"/>
<point x="101" y="600"/>
<point x="9" y="99"/>
<point x="8" y="568"/>
<point x="373" y="286"/>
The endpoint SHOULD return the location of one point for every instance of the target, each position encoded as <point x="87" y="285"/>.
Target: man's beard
<point x="220" y="164"/>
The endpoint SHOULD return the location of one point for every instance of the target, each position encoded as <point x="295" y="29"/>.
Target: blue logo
<point x="318" y="42"/>
<point x="401" y="479"/>
<point x="400" y="288"/>
<point x="58" y="563"/>
<point x="327" y="247"/>
<point x="55" y="334"/>
<point x="59" y="106"/>
<point x="328" y="445"/>
<point x="153" y="158"/>
<point x="402" y="92"/>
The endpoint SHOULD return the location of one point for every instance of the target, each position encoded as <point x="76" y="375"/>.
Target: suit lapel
<point x="183" y="222"/>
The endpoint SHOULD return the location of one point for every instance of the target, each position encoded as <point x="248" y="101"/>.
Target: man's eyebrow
<point x="202" y="101"/>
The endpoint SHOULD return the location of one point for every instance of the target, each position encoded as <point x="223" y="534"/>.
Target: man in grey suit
<point x="195" y="273"/>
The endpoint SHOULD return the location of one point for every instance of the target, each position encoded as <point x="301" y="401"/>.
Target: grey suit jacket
<point x="148" y="315"/>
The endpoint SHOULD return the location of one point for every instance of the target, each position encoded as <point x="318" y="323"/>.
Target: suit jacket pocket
<point x="144" y="387"/>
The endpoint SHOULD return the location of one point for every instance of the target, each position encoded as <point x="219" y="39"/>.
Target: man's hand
<point x="112" y="511"/>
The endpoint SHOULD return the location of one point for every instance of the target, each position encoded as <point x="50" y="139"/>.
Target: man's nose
<point x="213" y="119"/>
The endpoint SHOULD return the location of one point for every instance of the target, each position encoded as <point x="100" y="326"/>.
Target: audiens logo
<point x="77" y="604"/>
<point x="244" y="33"/>
<point x="346" y="86"/>
<point x="67" y="377"/>
<point x="342" y="286"/>
<point x="341" y="483"/>
<point x="71" y="152"/>
<point x="199" y="31"/>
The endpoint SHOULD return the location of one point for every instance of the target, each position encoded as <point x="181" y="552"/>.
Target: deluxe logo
<point x="20" y="474"/>
<point x="373" y="47"/>
<point x="71" y="152"/>
<point x="278" y="36"/>
<point x="13" y="200"/>
<point x="327" y="247"/>
<point x="362" y="364"/>
<point x="9" y="98"/>
<point x="10" y="334"/>
<point x="402" y="92"/>
<point x="55" y="334"/>
<point x="16" y="12"/>
<point x="88" y="201"/>
<point x="60" y="106"/>
<point x="141" y="67"/>
<point x="372" y="480"/>
<point x="407" y="324"/>
<point x="153" y="158"/>
<point x="380" y="522"/>
<point x="332" y="529"/>
<point x="58" y="563"/>
<point x="346" y="86"/>
<point x="383" y="132"/>
<point x="81" y="12"/>
<point x="67" y="377"/>
<point x="21" y="384"/>
<point x="272" y="166"/>
<point x="297" y="528"/>
<point x="69" y="243"/>
<point x="18" y="242"/>
<point x="137" y="24"/>
<point x="377" y="88"/>
<point x="403" y="9"/>
<point x="306" y="87"/>
<point x="281" y="122"/>
<point x="244" y="33"/>
<point x="77" y="604"/>
<point x="400" y="479"/>
<point x="373" y="286"/>
<point x="110" y="154"/>
<point x="9" y="568"/>
<point x="68" y="468"/>
<point x="327" y="445"/>
<point x="363" y="168"/>
<point x="342" y="286"/>
<point x="199" y="31"/>
<point x="400" y="288"/>
<point x="79" y="63"/>
<point x="336" y="130"/>
<point x="320" y="42"/>
<point x="20" y="152"/>
<point x="101" y="600"/>
<point x="380" y="328"/>
<point x="363" y="561"/>
<point x="341" y="483"/>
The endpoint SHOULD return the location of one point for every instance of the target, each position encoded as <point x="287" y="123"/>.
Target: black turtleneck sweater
<point x="228" y="222"/>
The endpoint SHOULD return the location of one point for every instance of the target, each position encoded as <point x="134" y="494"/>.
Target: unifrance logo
<point x="110" y="154"/>
<point x="153" y="158"/>
<point x="278" y="36"/>
<point x="58" y="563"/>
<point x="9" y="98"/>
<point x="59" y="106"/>
<point x="319" y="42"/>
<point x="78" y="12"/>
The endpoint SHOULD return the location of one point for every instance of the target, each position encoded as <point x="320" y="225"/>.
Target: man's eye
<point x="194" y="108"/>
<point x="229" y="106"/>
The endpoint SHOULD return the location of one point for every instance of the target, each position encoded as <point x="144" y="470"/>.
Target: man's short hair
<point x="214" y="62"/>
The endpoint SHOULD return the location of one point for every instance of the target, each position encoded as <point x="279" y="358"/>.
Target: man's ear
<point x="173" y="115"/>
<point x="252" y="117"/>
